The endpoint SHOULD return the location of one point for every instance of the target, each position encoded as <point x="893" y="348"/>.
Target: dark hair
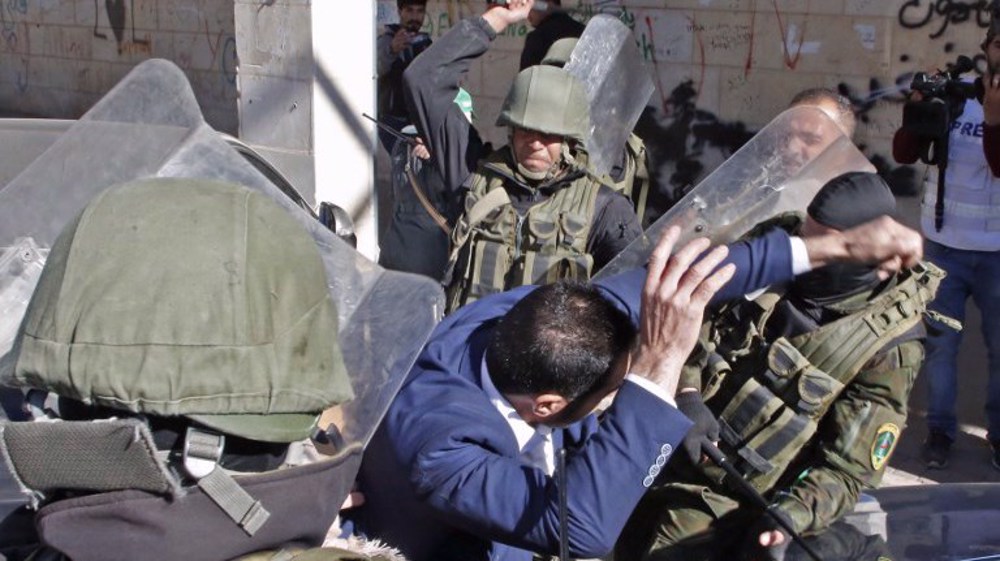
<point x="561" y="338"/>
<point x="401" y="3"/>
<point x="845" y="110"/>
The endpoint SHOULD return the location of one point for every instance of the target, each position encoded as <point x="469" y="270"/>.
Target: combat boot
<point x="936" y="450"/>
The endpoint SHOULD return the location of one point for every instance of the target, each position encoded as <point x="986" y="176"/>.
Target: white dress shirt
<point x="534" y="443"/>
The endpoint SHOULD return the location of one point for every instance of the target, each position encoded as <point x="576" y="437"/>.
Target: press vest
<point x="972" y="194"/>
<point x="770" y="396"/>
<point x="494" y="248"/>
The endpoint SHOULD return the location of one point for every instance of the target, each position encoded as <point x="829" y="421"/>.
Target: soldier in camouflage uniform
<point x="531" y="213"/>
<point x="809" y="387"/>
<point x="630" y="174"/>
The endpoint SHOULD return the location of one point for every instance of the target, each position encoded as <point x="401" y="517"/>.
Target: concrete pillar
<point x="343" y="89"/>
<point x="306" y="75"/>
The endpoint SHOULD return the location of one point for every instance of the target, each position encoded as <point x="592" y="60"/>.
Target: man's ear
<point x="547" y="405"/>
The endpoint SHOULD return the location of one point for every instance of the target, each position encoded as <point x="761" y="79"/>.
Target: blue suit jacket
<point x="442" y="479"/>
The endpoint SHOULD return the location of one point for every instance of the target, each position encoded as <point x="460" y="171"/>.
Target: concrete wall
<point x="306" y="76"/>
<point x="57" y="57"/>
<point x="724" y="68"/>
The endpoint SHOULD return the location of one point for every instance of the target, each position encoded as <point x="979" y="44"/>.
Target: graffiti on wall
<point x="687" y="137"/>
<point x="684" y="143"/>
<point x="14" y="32"/>
<point x="940" y="14"/>
<point x="119" y="20"/>
<point x="223" y="50"/>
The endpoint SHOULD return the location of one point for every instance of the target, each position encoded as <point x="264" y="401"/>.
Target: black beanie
<point x="852" y="199"/>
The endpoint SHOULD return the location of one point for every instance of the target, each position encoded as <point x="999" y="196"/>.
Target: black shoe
<point x="936" y="450"/>
<point x="995" y="448"/>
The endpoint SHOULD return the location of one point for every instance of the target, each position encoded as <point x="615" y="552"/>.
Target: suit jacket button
<point x="666" y="449"/>
<point x="654" y="470"/>
<point x="648" y="481"/>
<point x="661" y="460"/>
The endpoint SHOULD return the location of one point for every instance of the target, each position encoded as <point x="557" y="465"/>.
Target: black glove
<point x="705" y="424"/>
<point x="753" y="551"/>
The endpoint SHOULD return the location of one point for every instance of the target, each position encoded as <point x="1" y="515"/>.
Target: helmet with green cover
<point x="183" y="332"/>
<point x="548" y="100"/>
<point x="199" y="299"/>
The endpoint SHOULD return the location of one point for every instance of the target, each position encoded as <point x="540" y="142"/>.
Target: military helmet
<point x="548" y="100"/>
<point x="560" y="52"/>
<point x="193" y="298"/>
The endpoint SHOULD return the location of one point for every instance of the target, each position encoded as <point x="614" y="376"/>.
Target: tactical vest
<point x="971" y="195"/>
<point x="769" y="398"/>
<point x="494" y="248"/>
<point x="634" y="183"/>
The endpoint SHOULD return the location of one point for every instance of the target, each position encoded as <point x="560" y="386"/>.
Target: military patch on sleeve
<point x="883" y="445"/>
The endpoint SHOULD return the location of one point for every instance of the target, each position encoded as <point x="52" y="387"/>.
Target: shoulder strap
<point x="842" y="347"/>
<point x="424" y="202"/>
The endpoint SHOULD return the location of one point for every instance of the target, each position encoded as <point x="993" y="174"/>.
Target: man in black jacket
<point x="550" y="25"/>
<point x="395" y="49"/>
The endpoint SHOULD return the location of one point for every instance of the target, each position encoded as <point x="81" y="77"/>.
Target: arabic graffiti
<point x="917" y="14"/>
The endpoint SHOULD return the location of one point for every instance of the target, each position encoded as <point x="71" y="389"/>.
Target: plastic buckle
<point x="202" y="452"/>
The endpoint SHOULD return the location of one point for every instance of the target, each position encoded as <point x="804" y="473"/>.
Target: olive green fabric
<point x="187" y="297"/>
<point x="634" y="181"/>
<point x="559" y="52"/>
<point x="549" y="100"/>
<point x="496" y="249"/>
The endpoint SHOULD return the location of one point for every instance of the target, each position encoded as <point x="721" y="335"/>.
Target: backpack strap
<point x="202" y="452"/>
<point x="436" y="216"/>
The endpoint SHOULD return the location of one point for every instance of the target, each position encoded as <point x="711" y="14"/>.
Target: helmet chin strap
<point x="535" y="175"/>
<point x="545" y="174"/>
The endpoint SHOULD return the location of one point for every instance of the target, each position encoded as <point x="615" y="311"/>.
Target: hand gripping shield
<point x="780" y="170"/>
<point x="607" y="62"/>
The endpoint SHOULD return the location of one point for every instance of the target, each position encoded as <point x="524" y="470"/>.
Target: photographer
<point x="395" y="49"/>
<point x="962" y="235"/>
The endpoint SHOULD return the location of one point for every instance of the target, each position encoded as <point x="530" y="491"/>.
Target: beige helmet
<point x="549" y="100"/>
<point x="560" y="52"/>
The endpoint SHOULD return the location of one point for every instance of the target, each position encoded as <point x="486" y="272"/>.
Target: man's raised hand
<point x="677" y="289"/>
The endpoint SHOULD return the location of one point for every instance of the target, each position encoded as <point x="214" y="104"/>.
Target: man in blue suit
<point x="462" y="465"/>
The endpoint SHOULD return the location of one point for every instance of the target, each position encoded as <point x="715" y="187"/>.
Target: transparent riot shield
<point x="780" y="170"/>
<point x="20" y="268"/>
<point x="607" y="61"/>
<point x="149" y="125"/>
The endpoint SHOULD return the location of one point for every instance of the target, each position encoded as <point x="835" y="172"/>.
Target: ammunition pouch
<point x="767" y="415"/>
<point x="495" y="249"/>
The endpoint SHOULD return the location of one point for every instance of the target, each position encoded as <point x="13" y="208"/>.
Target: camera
<point x="946" y="85"/>
<point x="943" y="97"/>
